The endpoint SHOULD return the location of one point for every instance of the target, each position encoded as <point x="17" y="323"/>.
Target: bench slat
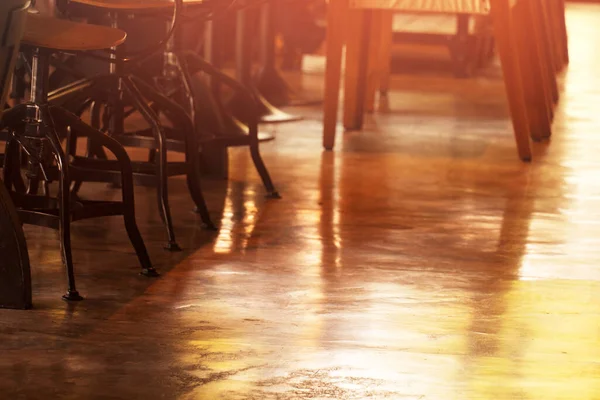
<point x="433" y="6"/>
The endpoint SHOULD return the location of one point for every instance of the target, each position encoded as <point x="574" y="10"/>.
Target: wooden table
<point x="517" y="31"/>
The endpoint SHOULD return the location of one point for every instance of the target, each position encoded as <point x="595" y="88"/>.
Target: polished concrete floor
<point x="420" y="260"/>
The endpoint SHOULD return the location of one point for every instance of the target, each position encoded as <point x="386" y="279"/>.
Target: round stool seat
<point x="133" y="5"/>
<point x="59" y="34"/>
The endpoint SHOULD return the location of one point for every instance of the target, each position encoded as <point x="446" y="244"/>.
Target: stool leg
<point x="193" y="181"/>
<point x="122" y="157"/>
<point x="161" y="166"/>
<point x="192" y="151"/>
<point x="192" y="157"/>
<point x="259" y="163"/>
<point x="64" y="201"/>
<point x="133" y="232"/>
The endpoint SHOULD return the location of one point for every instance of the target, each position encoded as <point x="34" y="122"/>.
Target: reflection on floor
<point x="421" y="260"/>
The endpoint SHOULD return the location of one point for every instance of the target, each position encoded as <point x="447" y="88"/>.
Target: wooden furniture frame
<point x="530" y="38"/>
<point x="468" y="43"/>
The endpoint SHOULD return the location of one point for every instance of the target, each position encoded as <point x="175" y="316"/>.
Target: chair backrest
<point x="13" y="14"/>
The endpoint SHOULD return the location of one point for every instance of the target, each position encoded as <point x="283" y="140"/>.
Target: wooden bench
<point x="530" y="45"/>
<point x="465" y="36"/>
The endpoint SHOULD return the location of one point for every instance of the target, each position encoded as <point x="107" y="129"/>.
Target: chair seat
<point x="133" y="5"/>
<point x="64" y="35"/>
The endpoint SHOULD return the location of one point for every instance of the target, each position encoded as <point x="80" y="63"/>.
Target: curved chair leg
<point x="193" y="181"/>
<point x="126" y="183"/>
<point x="92" y="147"/>
<point x="64" y="199"/>
<point x="252" y="124"/>
<point x="259" y="164"/>
<point x="12" y="174"/>
<point x="192" y="151"/>
<point x="129" y="214"/>
<point x="161" y="166"/>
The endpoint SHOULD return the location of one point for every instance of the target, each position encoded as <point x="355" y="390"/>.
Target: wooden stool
<point x="171" y="96"/>
<point x="121" y="88"/>
<point x="528" y="105"/>
<point x="15" y="272"/>
<point x="35" y="126"/>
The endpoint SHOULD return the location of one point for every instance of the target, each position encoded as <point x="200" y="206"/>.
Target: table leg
<point x="557" y="11"/>
<point x="531" y="71"/>
<point x="357" y="60"/>
<point x="380" y="55"/>
<point x="385" y="57"/>
<point x="563" y="30"/>
<point x="503" y="34"/>
<point x="336" y="30"/>
<point x="545" y="47"/>
<point x="373" y="66"/>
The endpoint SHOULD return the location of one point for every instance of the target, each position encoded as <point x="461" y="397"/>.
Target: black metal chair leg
<point x="162" y="173"/>
<point x="272" y="193"/>
<point x="64" y="199"/>
<point x="92" y="148"/>
<point x="129" y="217"/>
<point x="195" y="188"/>
<point x="78" y="127"/>
<point x="192" y="151"/>
<point x="15" y="271"/>
<point x="12" y="174"/>
<point x="252" y="122"/>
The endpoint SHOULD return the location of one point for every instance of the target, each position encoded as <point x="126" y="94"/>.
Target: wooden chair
<point x="15" y="273"/>
<point x="521" y="37"/>
<point x="36" y="127"/>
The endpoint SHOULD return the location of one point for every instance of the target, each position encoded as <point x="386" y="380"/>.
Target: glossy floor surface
<point x="420" y="260"/>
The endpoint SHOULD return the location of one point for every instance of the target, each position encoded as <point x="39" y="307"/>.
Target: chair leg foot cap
<point x="172" y="246"/>
<point x="209" y="226"/>
<point x="72" y="296"/>
<point x="274" y="195"/>
<point x="150" y="273"/>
